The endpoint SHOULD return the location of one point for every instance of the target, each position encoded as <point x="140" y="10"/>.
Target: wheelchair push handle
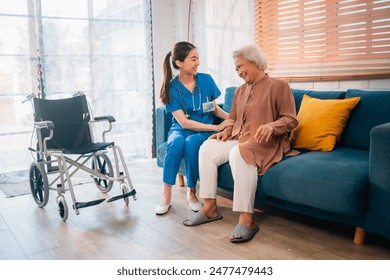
<point x="45" y="124"/>
<point x="29" y="97"/>
<point x="105" y="118"/>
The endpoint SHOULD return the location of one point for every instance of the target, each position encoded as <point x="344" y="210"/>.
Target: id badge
<point x="208" y="107"/>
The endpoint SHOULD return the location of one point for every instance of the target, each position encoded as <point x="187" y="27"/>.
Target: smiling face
<point x="247" y="70"/>
<point x="189" y="66"/>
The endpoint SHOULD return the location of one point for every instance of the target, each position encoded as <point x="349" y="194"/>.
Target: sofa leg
<point x="180" y="179"/>
<point x="360" y="233"/>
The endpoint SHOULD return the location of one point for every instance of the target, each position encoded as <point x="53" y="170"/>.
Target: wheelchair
<point x="65" y="145"/>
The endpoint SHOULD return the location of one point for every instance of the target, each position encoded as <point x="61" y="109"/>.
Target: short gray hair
<point x="253" y="54"/>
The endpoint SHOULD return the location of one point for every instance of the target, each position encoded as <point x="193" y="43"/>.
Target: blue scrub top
<point x="205" y="91"/>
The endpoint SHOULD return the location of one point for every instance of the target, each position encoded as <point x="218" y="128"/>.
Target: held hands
<point x="222" y="136"/>
<point x="225" y="123"/>
<point x="263" y="133"/>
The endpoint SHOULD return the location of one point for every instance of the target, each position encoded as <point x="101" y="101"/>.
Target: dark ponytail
<point x="165" y="94"/>
<point x="180" y="52"/>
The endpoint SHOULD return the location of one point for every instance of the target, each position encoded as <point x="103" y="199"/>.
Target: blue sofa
<point x="349" y="185"/>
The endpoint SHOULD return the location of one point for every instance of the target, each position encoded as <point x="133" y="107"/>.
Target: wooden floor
<point x="114" y="231"/>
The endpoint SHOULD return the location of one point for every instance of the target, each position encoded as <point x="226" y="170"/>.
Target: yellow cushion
<point x="321" y="122"/>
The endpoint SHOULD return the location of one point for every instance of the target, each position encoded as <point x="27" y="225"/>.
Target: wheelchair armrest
<point x="44" y="124"/>
<point x="110" y="120"/>
<point x="105" y="118"/>
<point x="42" y="143"/>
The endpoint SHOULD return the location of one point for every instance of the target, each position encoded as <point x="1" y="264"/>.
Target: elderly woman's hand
<point x="220" y="136"/>
<point x="264" y="133"/>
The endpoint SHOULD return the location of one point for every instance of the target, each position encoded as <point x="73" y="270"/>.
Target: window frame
<point x="126" y="94"/>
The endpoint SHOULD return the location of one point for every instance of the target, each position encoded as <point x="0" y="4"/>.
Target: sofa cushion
<point x="335" y="182"/>
<point x="321" y="122"/>
<point x="229" y="95"/>
<point x="373" y="109"/>
<point x="299" y="93"/>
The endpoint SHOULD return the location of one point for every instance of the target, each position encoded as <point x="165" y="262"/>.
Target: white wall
<point x="217" y="27"/>
<point x="169" y="23"/>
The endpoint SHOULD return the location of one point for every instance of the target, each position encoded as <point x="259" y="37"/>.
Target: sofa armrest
<point x="380" y="157"/>
<point x="379" y="176"/>
<point x="163" y="124"/>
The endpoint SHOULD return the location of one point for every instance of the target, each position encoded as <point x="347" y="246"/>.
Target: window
<point x="102" y="48"/>
<point x="322" y="39"/>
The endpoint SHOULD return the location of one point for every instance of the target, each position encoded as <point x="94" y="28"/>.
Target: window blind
<point x="324" y="39"/>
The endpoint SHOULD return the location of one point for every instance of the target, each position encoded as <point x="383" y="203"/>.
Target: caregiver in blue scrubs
<point x="191" y="98"/>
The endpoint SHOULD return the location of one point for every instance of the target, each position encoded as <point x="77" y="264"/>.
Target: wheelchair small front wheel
<point x="102" y="164"/>
<point x="39" y="184"/>
<point x="125" y="190"/>
<point x="62" y="207"/>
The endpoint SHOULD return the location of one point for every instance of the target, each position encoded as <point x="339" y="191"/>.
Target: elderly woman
<point x="263" y="111"/>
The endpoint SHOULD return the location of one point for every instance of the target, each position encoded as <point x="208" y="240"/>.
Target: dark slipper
<point x="200" y="218"/>
<point x="245" y="233"/>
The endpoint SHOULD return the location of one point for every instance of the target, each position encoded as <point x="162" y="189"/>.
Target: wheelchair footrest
<point x="133" y="192"/>
<point x="79" y="205"/>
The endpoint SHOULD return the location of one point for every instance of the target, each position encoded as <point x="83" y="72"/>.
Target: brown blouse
<point x="267" y="101"/>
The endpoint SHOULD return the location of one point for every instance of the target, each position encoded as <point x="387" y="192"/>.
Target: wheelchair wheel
<point x="125" y="189"/>
<point x="102" y="164"/>
<point x="39" y="184"/>
<point x="62" y="207"/>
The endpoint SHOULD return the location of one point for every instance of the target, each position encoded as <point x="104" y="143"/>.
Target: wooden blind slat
<point x="353" y="37"/>
<point x="335" y="22"/>
<point x="328" y="34"/>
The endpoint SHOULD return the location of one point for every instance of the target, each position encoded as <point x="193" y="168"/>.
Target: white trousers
<point x="214" y="153"/>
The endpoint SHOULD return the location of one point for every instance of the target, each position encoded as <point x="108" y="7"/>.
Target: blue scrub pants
<point x="183" y="144"/>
